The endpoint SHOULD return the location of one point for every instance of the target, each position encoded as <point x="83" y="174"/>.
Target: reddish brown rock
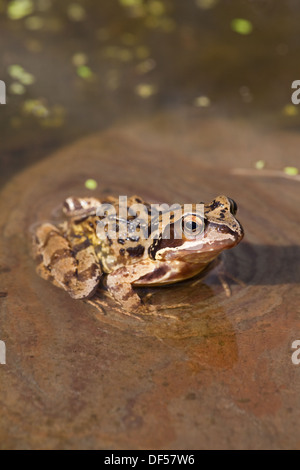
<point x="221" y="375"/>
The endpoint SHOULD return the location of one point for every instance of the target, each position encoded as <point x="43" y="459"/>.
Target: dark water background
<point x="96" y="63"/>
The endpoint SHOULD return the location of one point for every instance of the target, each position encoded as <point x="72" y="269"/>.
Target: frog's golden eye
<point x="192" y="225"/>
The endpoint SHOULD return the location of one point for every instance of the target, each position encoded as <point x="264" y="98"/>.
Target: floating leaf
<point x="84" y="72"/>
<point x="291" y="170"/>
<point x="17" y="9"/>
<point x="260" y="164"/>
<point x="27" y="78"/>
<point x="156" y="8"/>
<point x="91" y="184"/>
<point x="290" y="110"/>
<point x="35" y="107"/>
<point x="145" y="90"/>
<point x="76" y="12"/>
<point x="15" y="71"/>
<point x="241" y="26"/>
<point x="202" y="102"/>
<point x="131" y="3"/>
<point x="18" y="73"/>
<point x="17" y="88"/>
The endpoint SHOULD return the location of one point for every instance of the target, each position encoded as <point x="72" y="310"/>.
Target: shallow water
<point x="110" y="62"/>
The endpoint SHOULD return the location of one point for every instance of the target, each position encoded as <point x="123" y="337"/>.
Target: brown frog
<point x="75" y="258"/>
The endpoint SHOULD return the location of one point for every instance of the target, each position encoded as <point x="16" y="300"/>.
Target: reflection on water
<point x="197" y="331"/>
<point x="75" y="67"/>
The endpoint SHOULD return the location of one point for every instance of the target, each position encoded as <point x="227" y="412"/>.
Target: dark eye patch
<point x="161" y="243"/>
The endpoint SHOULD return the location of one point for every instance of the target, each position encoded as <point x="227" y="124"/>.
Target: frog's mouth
<point x="217" y="240"/>
<point x="204" y="250"/>
<point x="215" y="230"/>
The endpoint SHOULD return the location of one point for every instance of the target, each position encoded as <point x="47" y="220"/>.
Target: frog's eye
<point x="233" y="206"/>
<point x="192" y="225"/>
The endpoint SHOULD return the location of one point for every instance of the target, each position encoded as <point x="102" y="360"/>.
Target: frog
<point x="72" y="256"/>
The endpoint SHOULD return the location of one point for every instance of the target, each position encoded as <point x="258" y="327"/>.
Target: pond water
<point x="72" y="68"/>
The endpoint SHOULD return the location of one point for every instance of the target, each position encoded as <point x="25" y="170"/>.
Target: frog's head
<point x="202" y="237"/>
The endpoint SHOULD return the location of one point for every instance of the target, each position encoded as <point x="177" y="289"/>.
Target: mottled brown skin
<point x="73" y="257"/>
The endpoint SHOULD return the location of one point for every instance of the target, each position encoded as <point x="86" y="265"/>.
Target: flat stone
<point x="219" y="374"/>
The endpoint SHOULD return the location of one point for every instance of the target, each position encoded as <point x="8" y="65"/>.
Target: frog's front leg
<point x="69" y="265"/>
<point x="119" y="284"/>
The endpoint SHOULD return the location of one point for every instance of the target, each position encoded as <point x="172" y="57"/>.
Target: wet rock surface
<point x="220" y="373"/>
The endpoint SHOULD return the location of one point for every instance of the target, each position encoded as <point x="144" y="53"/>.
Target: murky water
<point x="91" y="64"/>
